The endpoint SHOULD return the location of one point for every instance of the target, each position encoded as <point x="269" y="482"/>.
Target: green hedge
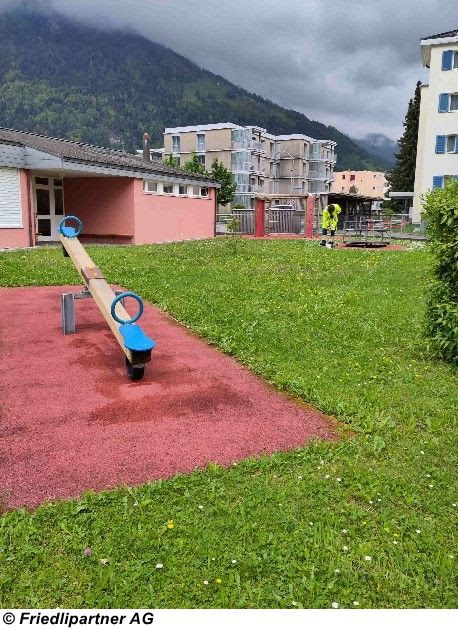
<point x="440" y="207"/>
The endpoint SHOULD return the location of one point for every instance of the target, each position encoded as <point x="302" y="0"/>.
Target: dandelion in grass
<point x="335" y="604"/>
<point x="218" y="580"/>
<point x="170" y="524"/>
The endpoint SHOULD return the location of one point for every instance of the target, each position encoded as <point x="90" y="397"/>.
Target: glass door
<point x="49" y="203"/>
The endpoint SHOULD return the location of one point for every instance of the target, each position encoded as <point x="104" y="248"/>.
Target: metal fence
<point x="245" y="225"/>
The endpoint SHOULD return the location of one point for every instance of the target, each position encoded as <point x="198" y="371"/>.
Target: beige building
<point x="369" y="183"/>
<point x="260" y="162"/>
<point x="437" y="149"/>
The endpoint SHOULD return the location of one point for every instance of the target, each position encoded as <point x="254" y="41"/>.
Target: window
<point x="149" y="186"/>
<point x="196" y="191"/>
<point x="446" y="144"/>
<point x="448" y="103"/>
<point x="41" y="180"/>
<point x="182" y="190"/>
<point x="450" y="60"/>
<point x="58" y="201"/>
<point x="176" y="144"/>
<point x="343" y="176"/>
<point x="201" y="142"/>
<point x="204" y="192"/>
<point x="10" y="198"/>
<point x="167" y="189"/>
<point x="201" y="159"/>
<point x="451" y="144"/>
<point x="352" y="178"/>
<point x="58" y="182"/>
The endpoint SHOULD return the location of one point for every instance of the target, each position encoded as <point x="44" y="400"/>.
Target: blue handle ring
<point x="70" y="232"/>
<point x="120" y="297"/>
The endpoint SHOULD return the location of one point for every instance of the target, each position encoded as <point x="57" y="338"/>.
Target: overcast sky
<point x="349" y="63"/>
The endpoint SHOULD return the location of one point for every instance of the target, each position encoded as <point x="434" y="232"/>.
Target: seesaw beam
<point x="102" y="293"/>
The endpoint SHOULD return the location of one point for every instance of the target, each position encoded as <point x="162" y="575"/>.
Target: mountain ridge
<point x="59" y="77"/>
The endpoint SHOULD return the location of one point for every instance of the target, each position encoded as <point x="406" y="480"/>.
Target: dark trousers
<point x="325" y="232"/>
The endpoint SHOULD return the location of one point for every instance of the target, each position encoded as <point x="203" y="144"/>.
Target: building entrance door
<point x="49" y="204"/>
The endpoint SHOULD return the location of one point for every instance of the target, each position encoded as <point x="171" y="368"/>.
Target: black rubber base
<point x="134" y="372"/>
<point x="366" y="245"/>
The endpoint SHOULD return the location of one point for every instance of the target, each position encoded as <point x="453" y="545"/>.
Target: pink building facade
<point x="118" y="197"/>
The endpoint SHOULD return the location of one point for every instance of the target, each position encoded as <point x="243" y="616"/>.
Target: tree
<point x="170" y="160"/>
<point x="228" y="187"/>
<point x="194" y="166"/>
<point x="401" y="178"/>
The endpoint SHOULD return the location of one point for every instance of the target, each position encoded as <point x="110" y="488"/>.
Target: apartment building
<point x="368" y="183"/>
<point x="260" y="162"/>
<point x="437" y="150"/>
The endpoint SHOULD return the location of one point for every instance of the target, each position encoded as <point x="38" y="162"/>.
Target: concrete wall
<point x="20" y="237"/>
<point x="104" y="204"/>
<point x="163" y="219"/>
<point x="433" y="123"/>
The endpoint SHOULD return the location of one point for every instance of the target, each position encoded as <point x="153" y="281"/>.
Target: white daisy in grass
<point x="430" y="485"/>
<point x="345" y="531"/>
<point x="321" y="462"/>
<point x="355" y="603"/>
<point x="201" y="507"/>
<point x="336" y="570"/>
<point x="234" y="561"/>
<point x="338" y="479"/>
<point x="395" y="542"/>
<point x="326" y="476"/>
<point x="310" y="523"/>
<point x="368" y="558"/>
<point x="335" y="604"/>
<point x="371" y="502"/>
<point x="159" y="565"/>
<point x="299" y="477"/>
<point x="418" y="531"/>
<point x="422" y="452"/>
<point x="206" y="582"/>
<point x="345" y="548"/>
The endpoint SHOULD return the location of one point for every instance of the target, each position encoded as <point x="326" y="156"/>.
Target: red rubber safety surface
<point x="71" y="421"/>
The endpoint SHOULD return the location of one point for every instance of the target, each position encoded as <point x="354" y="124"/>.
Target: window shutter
<point x="443" y="102"/>
<point x="438" y="181"/>
<point x="440" y="144"/>
<point x="447" y="59"/>
<point x="10" y="198"/>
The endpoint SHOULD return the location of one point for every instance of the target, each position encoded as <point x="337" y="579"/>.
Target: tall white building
<point x="437" y="152"/>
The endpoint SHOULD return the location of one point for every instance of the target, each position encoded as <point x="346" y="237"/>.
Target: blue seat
<point x="135" y="339"/>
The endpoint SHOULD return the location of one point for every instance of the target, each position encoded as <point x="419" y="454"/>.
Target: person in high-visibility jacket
<point x="330" y="219"/>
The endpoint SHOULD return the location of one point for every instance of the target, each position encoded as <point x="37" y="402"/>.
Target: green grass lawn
<point x="369" y="521"/>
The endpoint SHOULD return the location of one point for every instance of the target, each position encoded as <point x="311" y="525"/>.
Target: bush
<point x="440" y="207"/>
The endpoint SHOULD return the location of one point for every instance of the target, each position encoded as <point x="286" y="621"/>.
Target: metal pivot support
<point x="67" y="308"/>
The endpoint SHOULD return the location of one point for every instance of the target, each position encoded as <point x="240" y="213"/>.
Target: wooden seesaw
<point x="135" y="344"/>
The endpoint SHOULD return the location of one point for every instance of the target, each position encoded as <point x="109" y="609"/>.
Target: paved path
<point x="71" y="421"/>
